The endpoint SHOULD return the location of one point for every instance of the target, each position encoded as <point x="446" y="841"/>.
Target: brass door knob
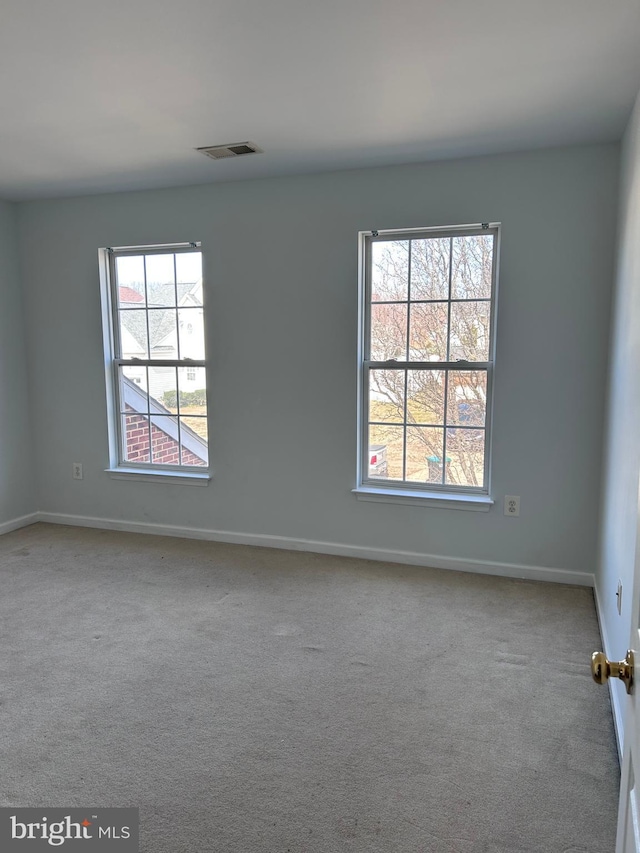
<point x="603" y="669"/>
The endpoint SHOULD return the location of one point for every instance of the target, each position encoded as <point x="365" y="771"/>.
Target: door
<point x="628" y="836"/>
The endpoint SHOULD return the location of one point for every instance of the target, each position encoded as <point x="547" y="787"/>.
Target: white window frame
<point x="119" y="467"/>
<point x="403" y="491"/>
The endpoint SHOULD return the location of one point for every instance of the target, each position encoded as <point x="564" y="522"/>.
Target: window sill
<point x="442" y="500"/>
<point x="182" y="478"/>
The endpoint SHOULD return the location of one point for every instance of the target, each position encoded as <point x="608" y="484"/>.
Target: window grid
<point x="168" y="422"/>
<point x="468" y="438"/>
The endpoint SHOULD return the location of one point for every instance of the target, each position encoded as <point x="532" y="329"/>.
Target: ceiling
<point x="115" y="95"/>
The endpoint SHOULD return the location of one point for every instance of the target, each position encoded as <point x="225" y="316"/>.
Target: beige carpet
<point x="258" y="701"/>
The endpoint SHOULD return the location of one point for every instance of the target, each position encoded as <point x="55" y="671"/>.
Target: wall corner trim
<point x="17" y="523"/>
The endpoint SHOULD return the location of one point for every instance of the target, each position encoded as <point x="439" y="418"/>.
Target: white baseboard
<point x="616" y="706"/>
<point x="486" y="567"/>
<point x="17" y="523"/>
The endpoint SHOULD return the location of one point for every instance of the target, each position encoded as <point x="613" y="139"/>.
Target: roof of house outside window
<point x="161" y="323"/>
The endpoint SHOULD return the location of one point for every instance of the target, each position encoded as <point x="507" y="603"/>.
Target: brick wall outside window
<point x="165" y="448"/>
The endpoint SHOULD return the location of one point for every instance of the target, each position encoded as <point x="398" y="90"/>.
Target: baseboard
<point x="17" y="523"/>
<point x="486" y="567"/>
<point x="616" y="707"/>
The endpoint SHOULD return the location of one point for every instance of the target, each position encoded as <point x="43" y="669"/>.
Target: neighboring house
<point x="164" y="338"/>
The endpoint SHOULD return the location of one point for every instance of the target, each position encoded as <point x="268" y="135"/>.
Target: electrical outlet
<point x="619" y="598"/>
<point x="512" y="505"/>
<point x="76" y="467"/>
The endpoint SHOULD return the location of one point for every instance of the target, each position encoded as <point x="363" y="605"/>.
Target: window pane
<point x="425" y="403"/>
<point x="191" y="331"/>
<point x="467" y="398"/>
<point x="135" y="437"/>
<point x="188" y="267"/>
<point x="133" y="389"/>
<point x="163" y="338"/>
<point x="470" y="331"/>
<point x="424" y="454"/>
<point x="161" y="289"/>
<point x="388" y="332"/>
<point x="190" y="294"/>
<point x="386" y="449"/>
<point x="196" y="425"/>
<point x="133" y="334"/>
<point x="389" y="270"/>
<point x="472" y="267"/>
<point x="164" y="440"/>
<point x="465" y="450"/>
<point x="386" y="395"/>
<point x="130" y="278"/>
<point x="428" y="340"/>
<point x="194" y="437"/>
<point x="430" y="268"/>
<point x="163" y="390"/>
<point x="192" y="382"/>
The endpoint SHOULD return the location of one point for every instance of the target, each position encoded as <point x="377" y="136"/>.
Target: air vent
<point x="235" y="149"/>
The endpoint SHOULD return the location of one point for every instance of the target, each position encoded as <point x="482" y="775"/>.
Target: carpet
<point x="251" y="700"/>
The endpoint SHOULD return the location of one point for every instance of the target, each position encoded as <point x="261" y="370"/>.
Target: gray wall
<point x="16" y="488"/>
<point x="622" y="449"/>
<point x="282" y="282"/>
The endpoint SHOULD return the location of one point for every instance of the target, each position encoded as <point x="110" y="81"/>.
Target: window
<point x="156" y="373"/>
<point x="427" y="347"/>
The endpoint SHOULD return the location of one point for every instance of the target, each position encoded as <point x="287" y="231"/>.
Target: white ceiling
<point x="115" y="95"/>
